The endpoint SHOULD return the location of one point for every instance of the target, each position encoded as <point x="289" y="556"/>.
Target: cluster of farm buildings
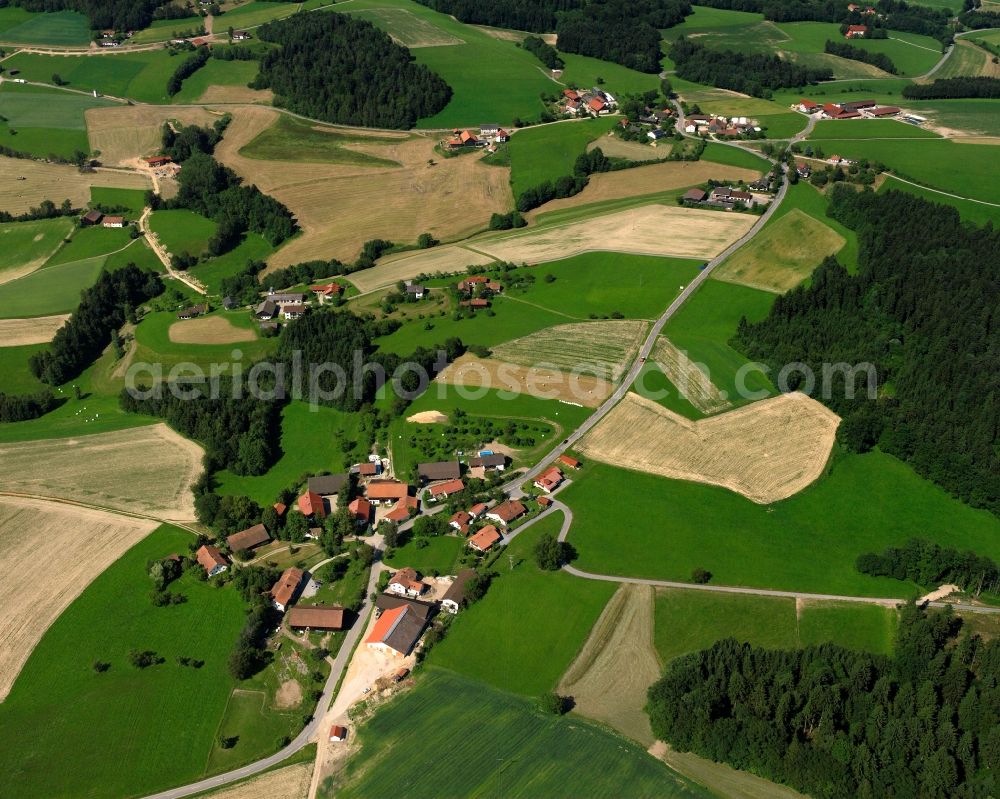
<point x="854" y="109"/>
<point x="592" y="102"/>
<point x="489" y="137"/>
<point x="712" y="124"/>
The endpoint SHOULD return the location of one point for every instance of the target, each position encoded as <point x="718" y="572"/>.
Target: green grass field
<point x="584" y="72"/>
<point x="507" y="747"/>
<point x="211" y="271"/>
<point x="601" y="283"/>
<point x="59" y="28"/>
<point x="547" y="152"/>
<point x="869" y="129"/>
<point x="216" y="73"/>
<point x="703" y="326"/>
<point x="50" y="290"/>
<point x="687" y="621"/>
<point x="962" y="169"/>
<point x="498" y="642"/>
<point x="160" y="30"/>
<point x="15" y="376"/>
<point x="311" y="441"/>
<point x="442" y="555"/>
<point x="182" y="231"/>
<point x="289" y="139"/>
<point x="89" y="242"/>
<point x="653" y="384"/>
<point x="44" y="122"/>
<point x="24" y="242"/>
<point x="132" y="199"/>
<point x="131" y="731"/>
<point x="136" y="76"/>
<point x="734" y="156"/>
<point x="256" y="12"/>
<point x="806" y="543"/>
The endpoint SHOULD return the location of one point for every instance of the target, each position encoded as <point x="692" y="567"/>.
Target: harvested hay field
<point x="721" y="779"/>
<point x="408" y="29"/>
<point x="647" y="230"/>
<point x="601" y="349"/>
<point x="693" y="384"/>
<point x="208" y="330"/>
<point x="56" y="182"/>
<point x="609" y="678"/>
<point x="236" y="94"/>
<point x="616" y="147"/>
<point x="648" y="180"/>
<point x="544" y="383"/>
<point x="428" y="417"/>
<point x="391" y="270"/>
<point x="126" y="132"/>
<point x="766" y="451"/>
<point x="146" y="470"/>
<point x="509" y="35"/>
<point x="39" y="330"/>
<point x="396" y="203"/>
<point x="290" y="782"/>
<point x="73" y="545"/>
<point x="783" y="254"/>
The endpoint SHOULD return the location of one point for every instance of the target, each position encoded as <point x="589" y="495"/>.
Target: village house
<point x="293" y="311"/>
<point x="317" y="617"/>
<point x="193" y="312"/>
<point x="240" y="36"/>
<point x="406" y="582"/>
<point x="447" y="489"/>
<point x="490" y="462"/>
<point x="361" y="509"/>
<point x="327" y="292"/>
<point x="475" y="303"/>
<point x="856" y="32"/>
<point x="326" y="485"/>
<point x="807" y="106"/>
<point x="439" y="470"/>
<point x="265" y="311"/>
<point x="477" y="510"/>
<point x="286" y="298"/>
<point x="338" y="733"/>
<point x="403" y="510"/>
<point x="544" y="502"/>
<point x="397" y="631"/>
<point x="248" y="539"/>
<point x="460" y="521"/>
<point x="485" y="539"/>
<point x="386" y="492"/>
<point x="549" y="480"/>
<point x="415" y="291"/>
<point x="91" y="218"/>
<point x="695" y="196"/>
<point x="158" y="160"/>
<point x="284" y="591"/>
<point x="507" y="512"/>
<point x="881" y="112"/>
<point x="566" y="460"/>
<point x="312" y="506"/>
<point x="489" y="130"/>
<point x="454" y="598"/>
<point x="384" y="602"/>
<point x="280" y="508"/>
<point x="113" y="221"/>
<point x="803" y="170"/>
<point x="211" y="560"/>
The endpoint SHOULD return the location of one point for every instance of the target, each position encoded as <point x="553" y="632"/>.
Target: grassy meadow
<point x="44" y="121"/>
<point x="497" y="642"/>
<point x="16" y="376"/>
<point x="507" y="747"/>
<point x="808" y="542"/>
<point x="132" y="199"/>
<point x="58" y="28"/>
<point x="22" y="243"/>
<point x="442" y="555"/>
<point x="216" y="73"/>
<point x="290" y="139"/>
<point x="548" y="152"/>
<point x="131" y="731"/>
<point x="968" y="210"/>
<point x="182" y="231"/>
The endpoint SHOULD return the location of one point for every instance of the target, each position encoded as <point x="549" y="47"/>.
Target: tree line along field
<point x="808" y="542"/>
<point x="969" y="210"/>
<point x="507" y="747"/>
<point x="59" y="702"/>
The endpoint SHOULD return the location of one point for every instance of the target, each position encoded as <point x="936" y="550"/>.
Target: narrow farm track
<point x="164" y="256"/>
<point x="62" y="501"/>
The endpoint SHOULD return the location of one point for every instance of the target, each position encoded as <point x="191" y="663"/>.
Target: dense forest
<point x="840" y="724"/>
<point x="341" y="69"/>
<point x="953" y="88"/>
<point x="921" y="309"/>
<point x="20" y="408"/>
<point x="929" y="565"/>
<point x="215" y="191"/>
<point x="978" y="20"/>
<point x="122" y="15"/>
<point x="845" y="50"/>
<point x="756" y="74"/>
<point x="545" y="53"/>
<point x="103" y="308"/>
<point x="537" y="16"/>
<point x="181" y="141"/>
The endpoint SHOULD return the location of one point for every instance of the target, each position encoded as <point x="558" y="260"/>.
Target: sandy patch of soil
<point x="56" y="182"/>
<point x="428" y="417"/>
<point x="39" y="330"/>
<point x="766" y="451"/>
<point x="289" y="695"/>
<point x="72" y="545"/>
<point x="290" y="782"/>
<point x="143" y="470"/>
<point x="542" y="382"/>
<point x="235" y="94"/>
<point x="208" y="330"/>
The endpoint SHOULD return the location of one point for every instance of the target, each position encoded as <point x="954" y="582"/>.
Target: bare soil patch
<point x="545" y="383"/>
<point x="56" y="182"/>
<point x="994" y="140"/>
<point x="236" y="94"/>
<point x="340" y="206"/>
<point x="428" y="417"/>
<point x="647" y="230"/>
<point x="783" y="254"/>
<point x="609" y="678"/>
<point x="646" y="179"/>
<point x="125" y="132"/>
<point x="290" y="782"/>
<point x="208" y="330"/>
<point x="289" y="695"/>
<point x="599" y="349"/>
<point x="39" y="330"/>
<point x="766" y="451"/>
<point x="143" y="470"/>
<point x="72" y="545"/>
<point x="693" y="384"/>
<point x="507" y="35"/>
<point x="405" y="266"/>
<point x="721" y="779"/>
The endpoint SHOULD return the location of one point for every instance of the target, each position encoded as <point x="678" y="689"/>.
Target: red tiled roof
<point x="508" y="511"/>
<point x="485" y="538"/>
<point x="283" y="590"/>
<point x="280" y="508"/>
<point x="209" y="557"/>
<point x="384" y="623"/>
<point x="246" y="539"/>
<point x="409" y="579"/>
<point x="446" y="489"/>
<point x="571" y="462"/>
<point x="386" y="489"/>
<point x="361" y="508"/>
<point x="596" y="104"/>
<point x="478" y="509"/>
<point x="317" y="617"/>
<point x="311" y="504"/>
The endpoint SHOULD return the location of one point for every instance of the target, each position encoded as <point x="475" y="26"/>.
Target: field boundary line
<point x="184" y="525"/>
<point x="550" y="310"/>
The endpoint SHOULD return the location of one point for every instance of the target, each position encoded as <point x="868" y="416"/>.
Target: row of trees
<point x="186" y="69"/>
<point x="929" y="565"/>
<point x="756" y="73"/>
<point x="342" y="69"/>
<point x="952" y="88"/>
<point x="103" y="308"/>
<point x="845" y="50"/>
<point x="544" y="52"/>
<point x="835" y="723"/>
<point x="926" y="327"/>
<point x="538" y="16"/>
<point x="586" y="164"/>
<point x="46" y="210"/>
<point x="20" y="408"/>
